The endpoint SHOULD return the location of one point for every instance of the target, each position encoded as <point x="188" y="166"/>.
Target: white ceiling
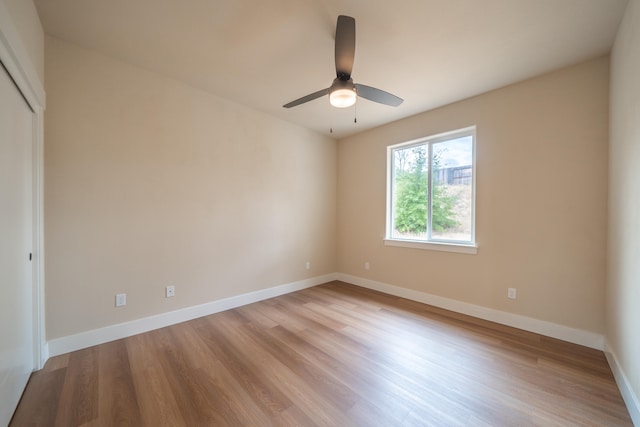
<point x="265" y="53"/>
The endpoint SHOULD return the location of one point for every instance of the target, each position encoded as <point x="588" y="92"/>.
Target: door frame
<point x="16" y="60"/>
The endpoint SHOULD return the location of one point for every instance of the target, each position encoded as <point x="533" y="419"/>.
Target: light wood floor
<point x="332" y="355"/>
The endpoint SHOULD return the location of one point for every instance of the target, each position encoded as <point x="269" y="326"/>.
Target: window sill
<point x="434" y="246"/>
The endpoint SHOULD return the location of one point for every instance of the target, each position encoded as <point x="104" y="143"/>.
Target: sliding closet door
<point x="16" y="225"/>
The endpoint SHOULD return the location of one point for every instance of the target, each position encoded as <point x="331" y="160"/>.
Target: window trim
<point x="468" y="247"/>
<point x="434" y="246"/>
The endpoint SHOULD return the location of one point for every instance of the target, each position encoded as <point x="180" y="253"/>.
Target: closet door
<point x="16" y="227"/>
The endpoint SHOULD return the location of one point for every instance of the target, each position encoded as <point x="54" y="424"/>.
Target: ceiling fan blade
<point x="345" y="48"/>
<point x="377" y="95"/>
<point x="307" y="98"/>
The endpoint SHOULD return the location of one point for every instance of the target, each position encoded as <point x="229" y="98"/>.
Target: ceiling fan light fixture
<point x="342" y="98"/>
<point x="342" y="93"/>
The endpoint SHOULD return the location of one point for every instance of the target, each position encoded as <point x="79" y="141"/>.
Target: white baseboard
<point x="109" y="333"/>
<point x="122" y="330"/>
<point x="565" y="333"/>
<point x="44" y="355"/>
<point x="630" y="398"/>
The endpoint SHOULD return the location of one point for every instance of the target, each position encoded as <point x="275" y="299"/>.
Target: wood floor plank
<point x="385" y="406"/>
<point x="259" y="387"/>
<point x="331" y="355"/>
<point x="117" y="399"/>
<point x="339" y="395"/>
<point x="156" y="400"/>
<point x="79" y="394"/>
<point x="298" y="391"/>
<point x="40" y="401"/>
<point x="197" y="401"/>
<point x="225" y="395"/>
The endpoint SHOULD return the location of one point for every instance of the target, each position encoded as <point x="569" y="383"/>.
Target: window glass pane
<point x="431" y="190"/>
<point x="410" y="182"/>
<point x="452" y="198"/>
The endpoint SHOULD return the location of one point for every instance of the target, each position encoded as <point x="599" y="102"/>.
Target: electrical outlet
<point x="121" y="300"/>
<point x="511" y="293"/>
<point x="308" y="265"/>
<point x="170" y="291"/>
<point x="366" y="265"/>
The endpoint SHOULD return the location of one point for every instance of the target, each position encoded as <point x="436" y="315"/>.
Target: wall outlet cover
<point x="170" y="291"/>
<point x="121" y="300"/>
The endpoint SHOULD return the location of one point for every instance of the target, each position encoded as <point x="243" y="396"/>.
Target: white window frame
<point x="468" y="247"/>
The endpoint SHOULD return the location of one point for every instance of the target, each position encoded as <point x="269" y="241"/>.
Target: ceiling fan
<point x="343" y="92"/>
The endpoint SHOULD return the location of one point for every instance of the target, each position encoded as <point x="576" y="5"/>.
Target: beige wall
<point x="27" y="23"/>
<point x="623" y="291"/>
<point x="150" y="182"/>
<point x="541" y="200"/>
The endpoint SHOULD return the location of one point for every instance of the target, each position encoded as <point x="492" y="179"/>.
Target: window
<point x="431" y="192"/>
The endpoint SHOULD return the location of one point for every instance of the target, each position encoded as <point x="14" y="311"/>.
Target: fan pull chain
<point x="355" y="113"/>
